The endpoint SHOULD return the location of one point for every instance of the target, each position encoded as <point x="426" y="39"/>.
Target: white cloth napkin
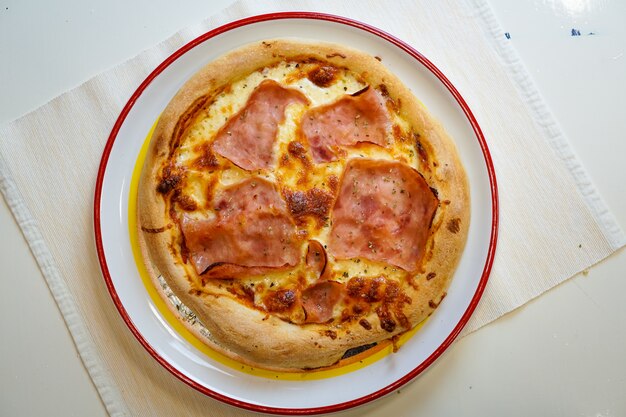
<point x="553" y="223"/>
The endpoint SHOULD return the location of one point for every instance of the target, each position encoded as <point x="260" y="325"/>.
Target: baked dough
<point x="292" y="136"/>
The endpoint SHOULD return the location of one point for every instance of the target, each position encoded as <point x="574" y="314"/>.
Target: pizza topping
<point x="379" y="292"/>
<point x="383" y="213"/>
<point x="252" y="233"/>
<point x="330" y="333"/>
<point x="365" y="324"/>
<point x="292" y="193"/>
<point x="248" y="137"/>
<point x="322" y="76"/>
<point x="394" y="302"/>
<point x="333" y="182"/>
<point x="454" y="225"/>
<point x="297" y="150"/>
<point x="386" y="320"/>
<point x="280" y="301"/>
<point x="346" y="122"/>
<point x="310" y="203"/>
<point x="319" y="301"/>
<point x="367" y="289"/>
<point x="421" y="150"/>
<point x="243" y="292"/>
<point x="171" y="178"/>
<point x="184" y="201"/>
<point x="207" y="158"/>
<point x="316" y="258"/>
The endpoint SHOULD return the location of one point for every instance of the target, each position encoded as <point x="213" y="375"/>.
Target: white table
<point x="560" y="355"/>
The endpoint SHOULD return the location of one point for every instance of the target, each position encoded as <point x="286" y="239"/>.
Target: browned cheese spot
<point x="280" y="301"/>
<point x="330" y="333"/>
<point x="382" y="292"/>
<point x="392" y="105"/>
<point x="184" y="201"/>
<point x="207" y="158"/>
<point x="421" y="150"/>
<point x="386" y="321"/>
<point x="454" y="225"/>
<point x="298" y="151"/>
<point x="434" y="305"/>
<point x="365" y="324"/>
<point x="171" y="177"/>
<point x="243" y="292"/>
<point x="311" y="203"/>
<point x="383" y="90"/>
<point x="210" y="191"/>
<point x="323" y="75"/>
<point x="397" y="132"/>
<point x="333" y="182"/>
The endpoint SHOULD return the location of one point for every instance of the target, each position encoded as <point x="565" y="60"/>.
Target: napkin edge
<point x="546" y="122"/>
<point x="99" y="375"/>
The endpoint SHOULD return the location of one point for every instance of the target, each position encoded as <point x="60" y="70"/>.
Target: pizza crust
<point x="255" y="337"/>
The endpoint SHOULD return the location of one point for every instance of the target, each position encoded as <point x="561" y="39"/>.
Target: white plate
<point x="213" y="377"/>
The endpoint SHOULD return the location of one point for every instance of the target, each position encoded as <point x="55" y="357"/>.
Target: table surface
<point x="560" y="355"/>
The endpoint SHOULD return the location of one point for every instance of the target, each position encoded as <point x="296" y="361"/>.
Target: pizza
<point x="301" y="201"/>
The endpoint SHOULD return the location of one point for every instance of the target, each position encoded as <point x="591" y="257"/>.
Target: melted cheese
<point x="290" y="173"/>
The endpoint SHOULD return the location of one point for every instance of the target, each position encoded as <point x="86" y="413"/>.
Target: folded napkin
<point x="553" y="223"/>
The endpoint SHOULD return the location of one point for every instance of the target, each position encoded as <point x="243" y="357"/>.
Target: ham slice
<point x="251" y="234"/>
<point x="248" y="137"/>
<point x="346" y="122"/>
<point x="319" y="301"/>
<point x="383" y="213"/>
<point x="316" y="258"/>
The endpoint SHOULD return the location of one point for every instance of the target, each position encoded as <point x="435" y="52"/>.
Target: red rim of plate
<point x="494" y="202"/>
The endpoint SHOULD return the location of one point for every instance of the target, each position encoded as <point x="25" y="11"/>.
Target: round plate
<point x="213" y="378"/>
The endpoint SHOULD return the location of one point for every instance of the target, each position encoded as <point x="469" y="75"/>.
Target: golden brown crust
<point x="242" y="331"/>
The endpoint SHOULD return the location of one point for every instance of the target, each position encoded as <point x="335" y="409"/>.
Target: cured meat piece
<point x="319" y="301"/>
<point x="252" y="233"/>
<point x="346" y="122"/>
<point x="383" y="213"/>
<point x="316" y="258"/>
<point x="248" y="137"/>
